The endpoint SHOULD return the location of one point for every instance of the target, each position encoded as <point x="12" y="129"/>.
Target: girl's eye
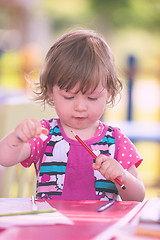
<point x="68" y="97"/>
<point x="92" y="98"/>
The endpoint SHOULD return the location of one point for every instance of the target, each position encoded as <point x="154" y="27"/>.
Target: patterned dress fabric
<point x="64" y="167"/>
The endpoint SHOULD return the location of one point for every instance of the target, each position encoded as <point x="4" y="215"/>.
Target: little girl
<point x="79" y="79"/>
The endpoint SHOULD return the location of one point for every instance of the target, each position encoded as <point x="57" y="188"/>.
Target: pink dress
<point x="64" y="167"/>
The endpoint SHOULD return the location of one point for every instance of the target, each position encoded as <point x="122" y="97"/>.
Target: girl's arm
<point x="111" y="169"/>
<point x="15" y="147"/>
<point x="12" y="150"/>
<point x="135" y="190"/>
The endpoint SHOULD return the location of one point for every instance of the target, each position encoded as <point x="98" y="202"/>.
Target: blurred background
<point x="131" y="28"/>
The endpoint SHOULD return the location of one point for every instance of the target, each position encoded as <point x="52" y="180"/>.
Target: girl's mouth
<point x="80" y="118"/>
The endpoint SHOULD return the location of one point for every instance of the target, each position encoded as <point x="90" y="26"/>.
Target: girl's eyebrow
<point x="97" y="92"/>
<point x="88" y="92"/>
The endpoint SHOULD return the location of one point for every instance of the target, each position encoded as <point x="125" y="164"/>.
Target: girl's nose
<point x="80" y="105"/>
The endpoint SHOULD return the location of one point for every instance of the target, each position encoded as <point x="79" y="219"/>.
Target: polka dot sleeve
<point x="126" y="152"/>
<point x="37" y="145"/>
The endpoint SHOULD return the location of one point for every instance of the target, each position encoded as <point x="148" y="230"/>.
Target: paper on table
<point x="18" y="205"/>
<point x="151" y="211"/>
<point x="114" y="230"/>
<point x="149" y="220"/>
<point x="14" y="205"/>
<point x="38" y="219"/>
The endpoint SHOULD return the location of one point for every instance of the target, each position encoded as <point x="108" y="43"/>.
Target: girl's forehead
<point x="90" y="90"/>
<point x="96" y="89"/>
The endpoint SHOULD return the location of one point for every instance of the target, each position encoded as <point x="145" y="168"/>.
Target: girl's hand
<point x="109" y="168"/>
<point x="28" y="129"/>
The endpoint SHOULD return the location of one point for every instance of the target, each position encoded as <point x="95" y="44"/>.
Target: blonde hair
<point x="80" y="57"/>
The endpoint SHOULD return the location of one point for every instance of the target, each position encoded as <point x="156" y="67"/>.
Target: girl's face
<point x="79" y="111"/>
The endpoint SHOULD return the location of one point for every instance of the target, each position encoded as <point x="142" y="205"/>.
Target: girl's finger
<point x="44" y="134"/>
<point x="99" y="160"/>
<point x="45" y="131"/>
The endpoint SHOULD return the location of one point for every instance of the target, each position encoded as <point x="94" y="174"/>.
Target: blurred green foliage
<point x="105" y="13"/>
<point x="126" y="13"/>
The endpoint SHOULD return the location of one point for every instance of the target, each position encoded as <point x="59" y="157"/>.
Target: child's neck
<point x="84" y="134"/>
